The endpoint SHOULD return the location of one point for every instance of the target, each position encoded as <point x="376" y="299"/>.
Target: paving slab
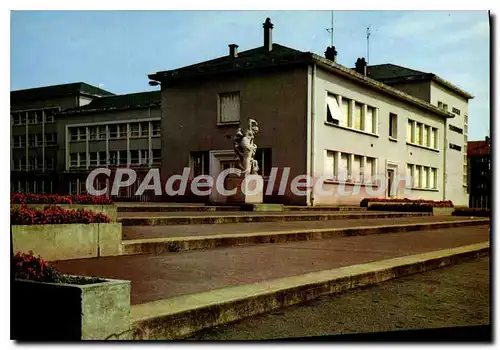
<point x="156" y="277"/>
<point x="163" y="231"/>
<point x="145" y="214"/>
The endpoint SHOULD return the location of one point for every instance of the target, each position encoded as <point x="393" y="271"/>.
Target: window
<point x="82" y="134"/>
<point x="73" y="134"/>
<point x="93" y="159"/>
<point x="19" y="141"/>
<point x="410" y="132"/>
<point x="425" y="136"/>
<point x="113" y="131"/>
<point x="49" y="115"/>
<point x="418" y="172"/>
<point x="346" y="111"/>
<point x="393" y="125"/>
<point x="102" y="158"/>
<point x="356" y="168"/>
<point x="16" y="120"/>
<point x="102" y="133"/>
<point x="82" y="159"/>
<point x="369" y="119"/>
<point x="134" y="156"/>
<point x="144" y="157"/>
<point x="155" y="128"/>
<point x="134" y="130"/>
<point x="31" y="117"/>
<point x="145" y="129"/>
<point x="330" y="165"/>
<point x="199" y="163"/>
<point x="123" y="159"/>
<point x="229" y="107"/>
<point x="345" y="167"/>
<point x="456" y="129"/>
<point x="455" y="147"/>
<point x="409" y="172"/>
<point x="443" y="106"/>
<point x="357" y="116"/>
<point x="369" y="167"/>
<point x="418" y="135"/>
<point x="333" y="111"/>
<point x="157" y="156"/>
<point x="425" y="176"/>
<point x="434" y="138"/>
<point x="113" y="158"/>
<point x="93" y="133"/>
<point x="73" y="160"/>
<point x="122" y="131"/>
<point x="38" y="116"/>
<point x="433" y="178"/>
<point x="455" y="110"/>
<point x="22" y="118"/>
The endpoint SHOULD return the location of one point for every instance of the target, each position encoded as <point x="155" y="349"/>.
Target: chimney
<point x="233" y="50"/>
<point x="268" y="35"/>
<point x="331" y="54"/>
<point x="361" y="66"/>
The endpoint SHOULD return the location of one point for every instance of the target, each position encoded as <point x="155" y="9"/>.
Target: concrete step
<point x="178" y="317"/>
<point x="201" y="240"/>
<point x="198" y="207"/>
<point x="152" y="219"/>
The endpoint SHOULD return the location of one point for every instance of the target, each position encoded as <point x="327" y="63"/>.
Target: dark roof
<point x="254" y="58"/>
<point x="280" y="55"/>
<point x="478" y="148"/>
<point x="391" y="74"/>
<point x="118" y="102"/>
<point x="47" y="92"/>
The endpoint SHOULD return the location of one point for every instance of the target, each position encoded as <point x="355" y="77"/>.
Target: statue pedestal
<point x="254" y="193"/>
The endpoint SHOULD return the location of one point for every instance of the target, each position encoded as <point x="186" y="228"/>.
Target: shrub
<point x="440" y="204"/>
<point x="404" y="207"/>
<point x="54" y="215"/>
<point x="472" y="212"/>
<point x="29" y="267"/>
<point x="31" y="198"/>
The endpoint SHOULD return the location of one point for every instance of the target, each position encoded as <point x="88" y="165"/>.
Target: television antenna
<point x="330" y="31"/>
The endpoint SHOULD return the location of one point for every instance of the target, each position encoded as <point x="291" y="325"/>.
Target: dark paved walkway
<point x="453" y="296"/>
<point x="136" y="232"/>
<point x="157" y="277"/>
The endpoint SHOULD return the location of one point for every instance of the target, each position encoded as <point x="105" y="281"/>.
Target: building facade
<point x="319" y="119"/>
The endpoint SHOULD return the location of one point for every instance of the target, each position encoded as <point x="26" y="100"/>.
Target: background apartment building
<point x="318" y="118"/>
<point x="82" y="132"/>
<point x="37" y="137"/>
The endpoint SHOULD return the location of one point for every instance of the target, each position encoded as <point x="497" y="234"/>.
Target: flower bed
<point x="54" y="215"/>
<point x="366" y="202"/>
<point x="31" y="198"/>
<point x="71" y="307"/>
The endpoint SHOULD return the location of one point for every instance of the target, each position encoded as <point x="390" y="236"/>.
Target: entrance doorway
<point x="390" y="180"/>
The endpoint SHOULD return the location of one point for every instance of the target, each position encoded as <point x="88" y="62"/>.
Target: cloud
<point x="478" y="30"/>
<point x="423" y="22"/>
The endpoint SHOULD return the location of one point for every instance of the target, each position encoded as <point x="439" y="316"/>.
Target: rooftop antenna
<point x="368" y="44"/>
<point x="330" y="30"/>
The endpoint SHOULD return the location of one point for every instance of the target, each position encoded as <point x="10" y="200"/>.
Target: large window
<point x="229" y="107"/>
<point x="423" y="177"/>
<point x="393" y="125"/>
<point x="348" y="167"/>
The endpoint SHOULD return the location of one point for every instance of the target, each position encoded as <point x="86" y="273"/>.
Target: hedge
<point x="31" y="198"/>
<point x="440" y="204"/>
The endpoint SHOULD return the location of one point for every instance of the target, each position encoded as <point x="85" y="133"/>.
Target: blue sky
<point x="117" y="49"/>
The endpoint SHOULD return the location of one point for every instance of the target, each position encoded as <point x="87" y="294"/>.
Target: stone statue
<point x="245" y="148"/>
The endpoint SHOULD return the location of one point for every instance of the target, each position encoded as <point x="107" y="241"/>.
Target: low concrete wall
<point x="442" y="211"/>
<point x="68" y="241"/>
<point x="109" y="210"/>
<point x="68" y="312"/>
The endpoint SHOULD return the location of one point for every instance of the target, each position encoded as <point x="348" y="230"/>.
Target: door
<point x="390" y="179"/>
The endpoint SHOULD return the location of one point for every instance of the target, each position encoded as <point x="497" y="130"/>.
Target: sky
<point x="117" y="49"/>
